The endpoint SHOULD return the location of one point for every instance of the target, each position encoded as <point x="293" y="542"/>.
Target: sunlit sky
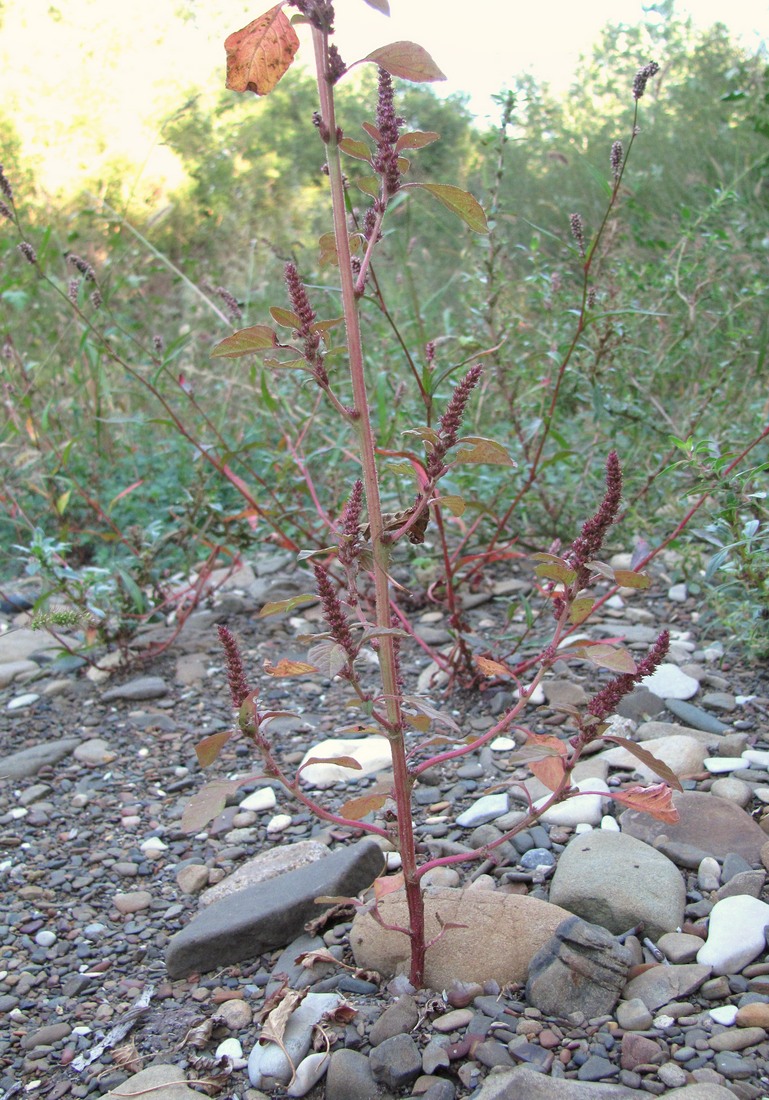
<point x="85" y="81"/>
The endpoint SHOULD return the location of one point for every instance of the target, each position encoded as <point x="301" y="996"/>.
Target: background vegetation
<point x="671" y="371"/>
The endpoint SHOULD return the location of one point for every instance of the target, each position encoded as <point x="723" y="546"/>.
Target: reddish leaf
<point x="656" y="800"/>
<point x="459" y="202"/>
<point x="388" y="884"/>
<point x="647" y="758"/>
<point x="245" y="342"/>
<point x="357" y="808"/>
<point x="548" y="771"/>
<point x="259" y="54"/>
<point x="356" y="149"/>
<point x="342" y="761"/>
<point x="416" y="139"/>
<point x="406" y="60"/>
<point x="329" y="658"/>
<point x="421" y="706"/>
<point x="209" y="748"/>
<point x="284" y="667"/>
<point x="607" y="656"/>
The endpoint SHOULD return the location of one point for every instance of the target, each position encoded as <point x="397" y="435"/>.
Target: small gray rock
<point x="144" y="687"/>
<point x="396" y="1061"/>
<point x="583" y="968"/>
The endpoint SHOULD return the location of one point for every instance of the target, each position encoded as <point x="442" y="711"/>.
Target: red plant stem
<point x="402" y="781"/>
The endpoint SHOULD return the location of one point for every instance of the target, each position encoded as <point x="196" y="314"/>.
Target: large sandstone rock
<point x="501" y="935"/>
<point x="707" y="823"/>
<point x="259" y="918"/>
<point x="614" y="880"/>
<point x="265" y="866"/>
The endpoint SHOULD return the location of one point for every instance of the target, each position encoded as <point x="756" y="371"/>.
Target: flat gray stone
<point x="526" y="1083"/>
<point x="349" y="1077"/>
<point x="21" y="765"/>
<point x="163" y="1082"/>
<point x="662" y="984"/>
<point x="19" y="645"/>
<point x="694" y="716"/>
<point x="145" y="687"/>
<point x="255" y="920"/>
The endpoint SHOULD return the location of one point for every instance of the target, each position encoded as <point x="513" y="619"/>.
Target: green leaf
<point x="560" y="573"/>
<point x="480" y="449"/>
<point x="607" y="656"/>
<point x="455" y="504"/>
<point x="406" y="60"/>
<point x="285" y="317"/>
<point x="287" y="605"/>
<point x="459" y="202"/>
<point x="369" y="185"/>
<point x="329" y="658"/>
<point x="357" y="149"/>
<point x="628" y="578"/>
<point x="580" y="610"/>
<point x="416" y="139"/>
<point x="244" y="342"/>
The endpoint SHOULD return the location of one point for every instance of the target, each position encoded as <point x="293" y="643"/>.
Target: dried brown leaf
<point x="259" y="54"/>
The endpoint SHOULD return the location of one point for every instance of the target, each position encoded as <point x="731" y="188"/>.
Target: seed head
<point x="27" y="252"/>
<point x="578" y="231"/>
<point x="236" y="674"/>
<point x="5" y="186"/>
<point x="588" y="543"/>
<point x="642" y="78"/>
<point x="615" y="159"/>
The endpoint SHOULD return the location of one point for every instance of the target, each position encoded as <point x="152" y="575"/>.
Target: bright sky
<point x="503" y="38"/>
<point x="85" y="82"/>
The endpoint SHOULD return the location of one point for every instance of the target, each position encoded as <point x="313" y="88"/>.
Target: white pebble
<point x="278" y="823"/>
<point x="502" y="744"/>
<point x="308" y="1073"/>
<point x="18" y="812"/>
<point x="716" y="765"/>
<point x="232" y="1049"/>
<point x="45" y="938"/>
<point x="392" y="861"/>
<point x="757" y="757"/>
<point x="153" y="844"/>
<point x="663" y="1022"/>
<point x="609" y="824"/>
<point x="709" y="874"/>
<point x="742" y="700"/>
<point x="536" y="698"/>
<point x="583" y="827"/>
<point x="263" y="799"/>
<point x="724" y="1014"/>
<point x="23" y="701"/>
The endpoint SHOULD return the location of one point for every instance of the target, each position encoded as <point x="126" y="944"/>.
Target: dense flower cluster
<point x="605" y="702"/>
<point x="333" y="613"/>
<point x="615" y="159"/>
<point x="588" y="543"/>
<point x="297" y="294"/>
<point x="578" y="231"/>
<point x="451" y="421"/>
<point x="385" y="160"/>
<point x="236" y="674"/>
<point x="642" y="78"/>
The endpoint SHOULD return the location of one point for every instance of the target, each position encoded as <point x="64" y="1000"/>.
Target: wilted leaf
<point x="357" y="808"/>
<point x="607" y="656"/>
<point x="421" y="706"/>
<point x="627" y="578"/>
<point x="287" y="605"/>
<point x="199" y="1034"/>
<point x="127" y="1058"/>
<point x="647" y="758"/>
<point x="329" y="658"/>
<point x="308" y="959"/>
<point x="245" y="341"/>
<point x="491" y="668"/>
<point x="477" y="449"/>
<point x="354" y="148"/>
<point x="380" y="5"/>
<point x="656" y="800"/>
<point x="416" y="139"/>
<point x="459" y="202"/>
<point x="284" y="667"/>
<point x="206" y="804"/>
<point x="602" y="569"/>
<point x="285" y="317"/>
<point x="274" y="1027"/>
<point x="406" y="60"/>
<point x="209" y="748"/>
<point x="259" y="54"/>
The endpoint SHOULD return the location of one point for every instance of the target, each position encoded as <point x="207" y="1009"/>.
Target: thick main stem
<point x="402" y="781"/>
